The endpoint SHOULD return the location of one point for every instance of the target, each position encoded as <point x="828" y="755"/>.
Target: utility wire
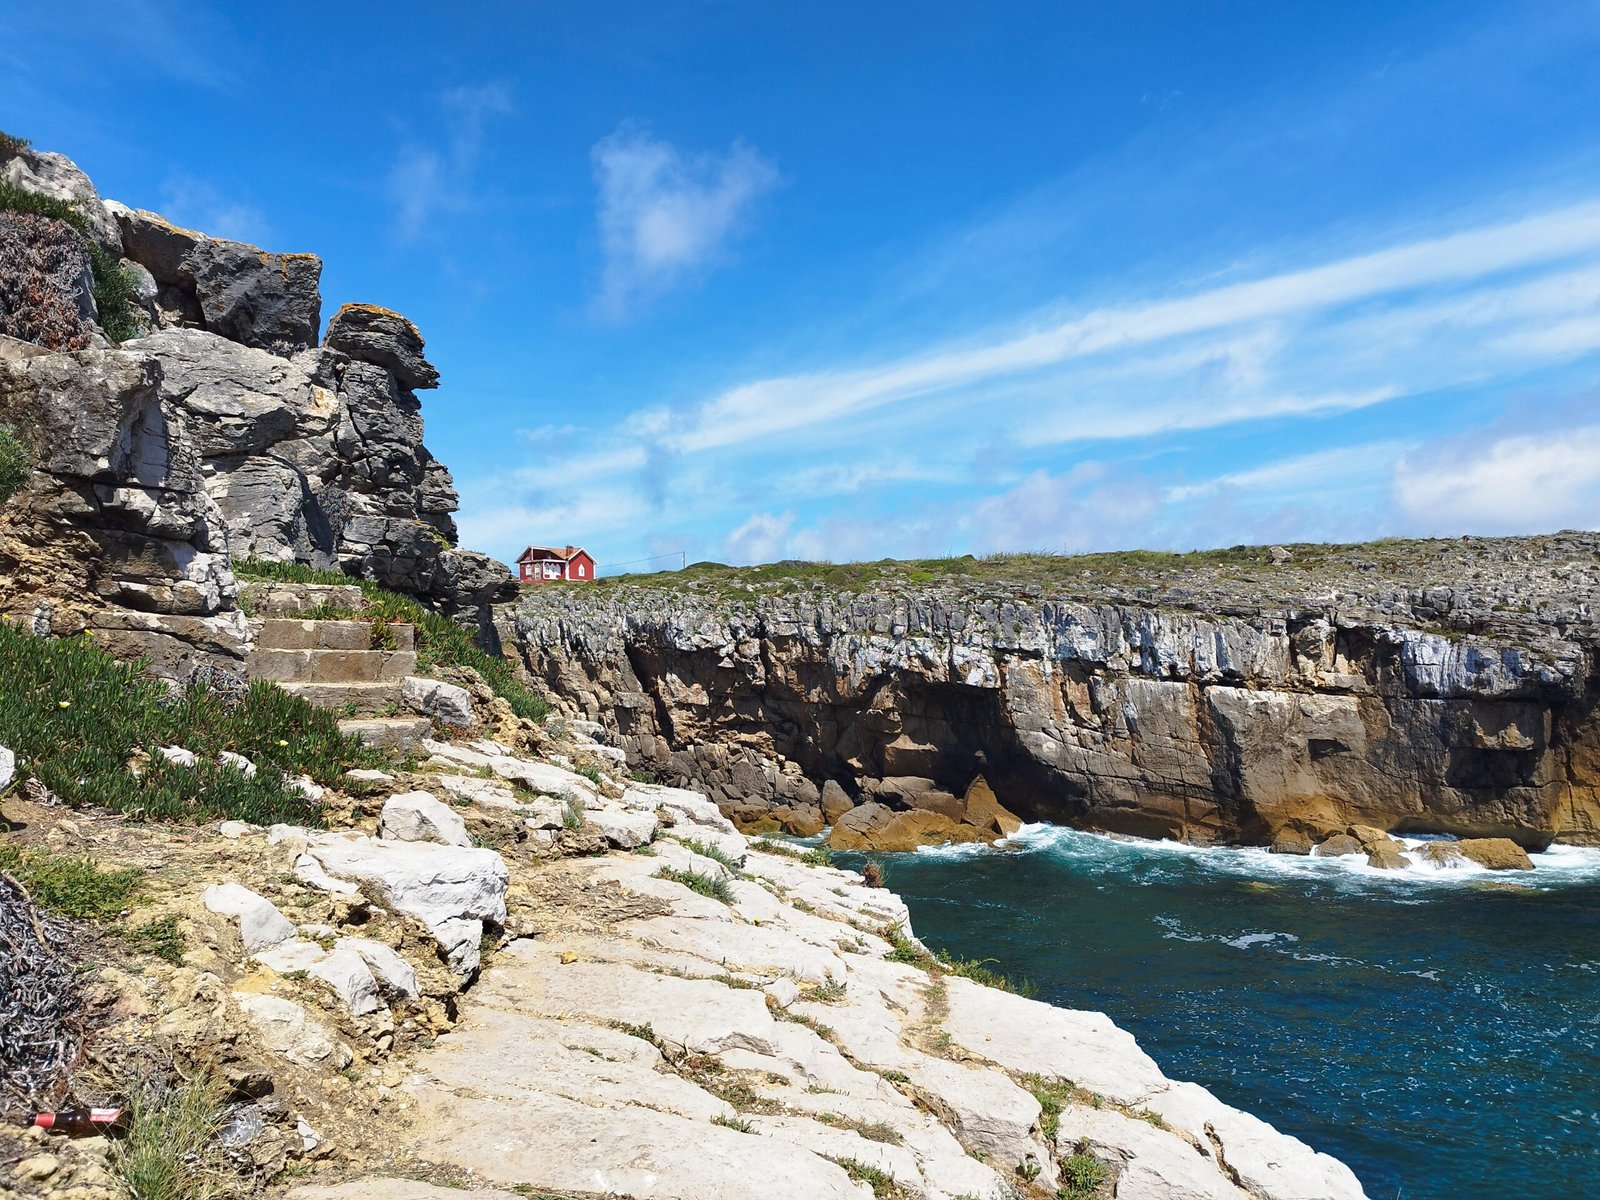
<point x="681" y="555"/>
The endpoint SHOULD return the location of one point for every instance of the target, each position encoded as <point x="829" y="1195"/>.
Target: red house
<point x="546" y="564"/>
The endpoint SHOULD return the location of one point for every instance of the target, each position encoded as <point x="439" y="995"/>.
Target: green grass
<point x="881" y="1182"/>
<point x="113" y="286"/>
<point x="77" y="718"/>
<point x="72" y="887"/>
<point x="440" y="641"/>
<point x="714" y="853"/>
<point x="160" y="937"/>
<point x="1052" y="1095"/>
<point x="976" y="969"/>
<point x="1081" y="1175"/>
<point x="735" y="1123"/>
<point x="705" y="885"/>
<point x="15" y="463"/>
<point x="171" y="1151"/>
<point x="11" y="146"/>
<point x="643" y="1032"/>
<point x="831" y="992"/>
<point x="816" y="856"/>
<point x="903" y="950"/>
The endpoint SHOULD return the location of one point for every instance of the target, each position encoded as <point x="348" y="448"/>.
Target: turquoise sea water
<point x="1439" y="1031"/>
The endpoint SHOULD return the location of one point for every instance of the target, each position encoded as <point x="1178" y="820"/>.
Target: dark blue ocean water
<point x="1438" y="1031"/>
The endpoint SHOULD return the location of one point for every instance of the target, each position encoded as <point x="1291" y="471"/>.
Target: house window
<point x="580" y="570"/>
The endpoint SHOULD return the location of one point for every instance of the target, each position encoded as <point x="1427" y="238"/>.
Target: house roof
<point x="549" y="553"/>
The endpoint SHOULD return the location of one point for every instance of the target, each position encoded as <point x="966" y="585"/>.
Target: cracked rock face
<point x="1234" y="716"/>
<point x="114" y="528"/>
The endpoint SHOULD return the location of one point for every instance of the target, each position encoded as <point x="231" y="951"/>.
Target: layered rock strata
<point x="224" y="430"/>
<point x="1460" y="698"/>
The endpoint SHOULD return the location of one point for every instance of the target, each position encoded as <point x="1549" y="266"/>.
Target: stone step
<point x="364" y="699"/>
<point x="331" y="666"/>
<point x="264" y="598"/>
<point x="285" y="633"/>
<point x="388" y="733"/>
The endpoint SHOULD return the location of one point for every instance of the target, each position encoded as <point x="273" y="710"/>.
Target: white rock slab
<point x="1150" y="1163"/>
<point x="421" y="817"/>
<point x="495" y="1052"/>
<point x="8" y="768"/>
<point x="758" y="949"/>
<point x="989" y="1113"/>
<point x="1027" y="1035"/>
<point x="561" y="1144"/>
<point x="346" y="972"/>
<point x="541" y="777"/>
<point x="453" y="890"/>
<point x="309" y="872"/>
<point x="1270" y="1164"/>
<point x="442" y="701"/>
<point x="623" y="829"/>
<point x="261" y="925"/>
<point x="474" y="789"/>
<point x="693" y="808"/>
<point x="289" y="1030"/>
<point x="396" y="978"/>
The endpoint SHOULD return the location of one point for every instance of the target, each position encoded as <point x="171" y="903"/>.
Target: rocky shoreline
<point x="1449" y="687"/>
<point x="662" y="1008"/>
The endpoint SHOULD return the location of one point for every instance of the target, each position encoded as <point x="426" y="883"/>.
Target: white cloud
<point x="760" y="538"/>
<point x="782" y="405"/>
<point x="665" y="215"/>
<point x="196" y="204"/>
<point x="1338" y="469"/>
<point x="1517" y="484"/>
<point x="431" y="180"/>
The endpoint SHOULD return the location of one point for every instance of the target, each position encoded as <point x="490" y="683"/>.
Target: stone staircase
<point x="333" y="663"/>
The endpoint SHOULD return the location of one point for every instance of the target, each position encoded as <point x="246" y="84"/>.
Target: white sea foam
<point x="1095" y="853"/>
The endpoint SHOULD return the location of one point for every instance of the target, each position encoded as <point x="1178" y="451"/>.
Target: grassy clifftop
<point x="1506" y="576"/>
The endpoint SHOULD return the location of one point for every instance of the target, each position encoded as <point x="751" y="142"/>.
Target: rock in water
<point x="1498" y="854"/>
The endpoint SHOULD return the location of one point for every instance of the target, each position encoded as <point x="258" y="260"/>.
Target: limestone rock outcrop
<point x="114" y="528"/>
<point x="229" y="288"/>
<point x="1459" y="694"/>
<point x="224" y="430"/>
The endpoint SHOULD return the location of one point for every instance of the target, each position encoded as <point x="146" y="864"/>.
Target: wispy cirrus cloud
<point x="665" y="215"/>
<point x="430" y="179"/>
<point x="984" y="443"/>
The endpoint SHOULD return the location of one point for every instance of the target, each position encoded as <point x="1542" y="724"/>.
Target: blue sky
<point x="752" y="281"/>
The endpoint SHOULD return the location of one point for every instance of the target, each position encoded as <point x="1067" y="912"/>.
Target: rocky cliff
<point x="229" y="425"/>
<point x="1446" y="686"/>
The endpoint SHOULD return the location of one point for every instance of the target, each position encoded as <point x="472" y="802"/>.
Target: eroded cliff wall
<point x="1438" y="686"/>
<point x="229" y="424"/>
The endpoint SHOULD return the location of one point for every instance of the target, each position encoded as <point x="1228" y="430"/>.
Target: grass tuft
<point x="1081" y="1175"/>
<point x="881" y="1182"/>
<point x="73" y="887"/>
<point x="705" y="885"/>
<point x="171" y="1150"/>
<point x="816" y="856"/>
<point x="735" y="1123"/>
<point x="715" y="853"/>
<point x="160" y="937"/>
<point x="1052" y="1095"/>
<point x="976" y="969"/>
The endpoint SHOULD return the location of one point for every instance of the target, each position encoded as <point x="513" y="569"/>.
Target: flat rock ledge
<point x="715" y="1018"/>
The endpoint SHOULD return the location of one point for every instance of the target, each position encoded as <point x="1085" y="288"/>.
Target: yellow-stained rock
<point x="984" y="810"/>
<point x="1498" y="854"/>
